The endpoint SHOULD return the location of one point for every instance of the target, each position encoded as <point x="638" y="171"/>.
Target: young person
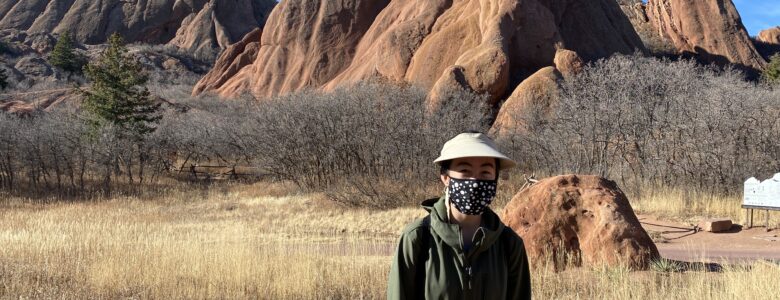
<point x="462" y="250"/>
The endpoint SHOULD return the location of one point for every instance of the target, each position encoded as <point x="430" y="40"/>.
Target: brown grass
<point x="691" y="205"/>
<point x="266" y="241"/>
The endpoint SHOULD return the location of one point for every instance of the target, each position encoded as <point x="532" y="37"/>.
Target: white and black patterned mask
<point x="471" y="196"/>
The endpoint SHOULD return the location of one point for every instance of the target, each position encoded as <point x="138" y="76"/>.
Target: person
<point x="462" y="250"/>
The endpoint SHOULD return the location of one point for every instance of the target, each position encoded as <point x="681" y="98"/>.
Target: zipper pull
<point x="468" y="271"/>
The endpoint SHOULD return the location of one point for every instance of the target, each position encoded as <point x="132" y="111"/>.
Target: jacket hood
<point x="486" y="235"/>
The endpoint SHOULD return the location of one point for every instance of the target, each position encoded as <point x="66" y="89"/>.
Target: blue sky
<point x="759" y="14"/>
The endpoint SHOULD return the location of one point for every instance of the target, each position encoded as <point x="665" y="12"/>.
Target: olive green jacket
<point x="430" y="263"/>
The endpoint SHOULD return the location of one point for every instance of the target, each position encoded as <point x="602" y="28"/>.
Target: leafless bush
<point x="368" y="144"/>
<point x="645" y="120"/>
<point x="375" y="139"/>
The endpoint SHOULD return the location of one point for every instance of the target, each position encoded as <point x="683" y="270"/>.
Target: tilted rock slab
<point x="533" y="99"/>
<point x="533" y="96"/>
<point x="475" y="45"/>
<point x="711" y="30"/>
<point x="232" y="59"/>
<point x="581" y="220"/>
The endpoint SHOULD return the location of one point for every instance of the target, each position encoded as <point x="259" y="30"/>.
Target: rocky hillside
<point x="34" y="84"/>
<point x="709" y="30"/>
<point x="202" y="27"/>
<point x="482" y="46"/>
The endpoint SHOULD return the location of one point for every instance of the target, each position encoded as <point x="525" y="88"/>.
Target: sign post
<point x="761" y="195"/>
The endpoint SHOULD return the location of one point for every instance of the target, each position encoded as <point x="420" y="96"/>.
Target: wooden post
<point x="767" y="220"/>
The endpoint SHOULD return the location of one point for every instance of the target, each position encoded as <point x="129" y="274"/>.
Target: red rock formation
<point x="44" y="100"/>
<point x="770" y="36"/>
<point x="579" y="219"/>
<point x="16" y="107"/>
<point x="712" y="30"/>
<point x="466" y="44"/>
<point x="305" y="43"/>
<point x="233" y="59"/>
<point x="636" y="11"/>
<point x="532" y="98"/>
<point x="568" y="62"/>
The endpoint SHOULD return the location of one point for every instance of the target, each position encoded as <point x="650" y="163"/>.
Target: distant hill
<point x="200" y="26"/>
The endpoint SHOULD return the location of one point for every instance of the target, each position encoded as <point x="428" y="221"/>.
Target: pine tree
<point x="3" y="79"/>
<point x="118" y="94"/>
<point x="772" y="72"/>
<point x="64" y="57"/>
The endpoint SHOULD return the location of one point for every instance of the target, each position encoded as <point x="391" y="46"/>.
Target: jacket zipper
<point x="466" y="264"/>
<point x="468" y="270"/>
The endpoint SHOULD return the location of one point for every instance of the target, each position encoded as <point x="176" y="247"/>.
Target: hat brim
<point x="479" y="150"/>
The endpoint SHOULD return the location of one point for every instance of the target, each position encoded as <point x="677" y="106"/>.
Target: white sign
<point x="762" y="193"/>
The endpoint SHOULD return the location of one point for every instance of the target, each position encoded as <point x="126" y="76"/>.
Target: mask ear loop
<point x="447" y="201"/>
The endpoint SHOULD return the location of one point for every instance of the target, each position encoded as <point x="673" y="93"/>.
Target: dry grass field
<point x="265" y="241"/>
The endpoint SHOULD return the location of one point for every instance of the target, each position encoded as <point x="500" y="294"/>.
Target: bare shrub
<point x="640" y="120"/>
<point x="368" y="144"/>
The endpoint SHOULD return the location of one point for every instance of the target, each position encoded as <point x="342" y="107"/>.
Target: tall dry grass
<point x="693" y="205"/>
<point x="266" y="241"/>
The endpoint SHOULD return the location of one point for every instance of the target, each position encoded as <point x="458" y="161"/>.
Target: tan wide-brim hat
<point x="473" y="145"/>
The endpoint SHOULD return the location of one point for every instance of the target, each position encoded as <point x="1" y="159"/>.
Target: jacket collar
<point x="485" y="236"/>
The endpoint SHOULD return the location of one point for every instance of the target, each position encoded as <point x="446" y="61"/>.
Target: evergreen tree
<point x="772" y="72"/>
<point x="118" y="94"/>
<point x="64" y="57"/>
<point x="3" y="79"/>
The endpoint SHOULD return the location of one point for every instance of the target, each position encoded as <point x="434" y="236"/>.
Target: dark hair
<point x="444" y="166"/>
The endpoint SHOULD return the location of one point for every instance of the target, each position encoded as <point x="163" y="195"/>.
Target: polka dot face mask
<point x="471" y="196"/>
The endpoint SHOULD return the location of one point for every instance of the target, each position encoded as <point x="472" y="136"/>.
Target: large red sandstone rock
<point x="305" y="43"/>
<point x="232" y="59"/>
<point x="196" y="25"/>
<point x="770" y="36"/>
<point x="586" y="219"/>
<point x="636" y="11"/>
<point x="474" y="45"/>
<point x="531" y="99"/>
<point x="712" y="30"/>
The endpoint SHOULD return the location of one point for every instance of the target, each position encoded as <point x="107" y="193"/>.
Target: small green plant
<point x="663" y="265"/>
<point x="771" y="74"/>
<point x="118" y="95"/>
<point x="64" y="56"/>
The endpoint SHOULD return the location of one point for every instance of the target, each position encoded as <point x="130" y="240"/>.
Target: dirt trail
<point x="678" y="242"/>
